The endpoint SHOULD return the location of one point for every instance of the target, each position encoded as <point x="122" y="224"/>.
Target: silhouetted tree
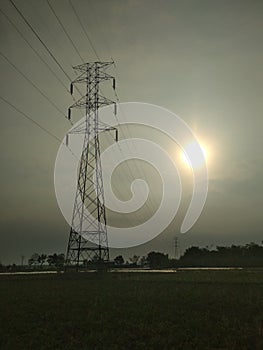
<point x="42" y="259"/>
<point x="193" y="256"/>
<point x="157" y="260"/>
<point x="119" y="260"/>
<point x="134" y="259"/>
<point x="56" y="260"/>
<point x="250" y="255"/>
<point x="34" y="260"/>
<point x="143" y="261"/>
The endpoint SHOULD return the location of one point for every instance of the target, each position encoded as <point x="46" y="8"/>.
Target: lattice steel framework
<point x="88" y="234"/>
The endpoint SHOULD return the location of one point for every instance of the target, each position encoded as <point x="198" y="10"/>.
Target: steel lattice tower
<point x="88" y="234"/>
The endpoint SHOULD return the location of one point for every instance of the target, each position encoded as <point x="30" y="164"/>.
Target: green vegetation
<point x="182" y="310"/>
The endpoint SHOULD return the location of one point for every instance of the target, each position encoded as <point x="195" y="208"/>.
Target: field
<point x="183" y="310"/>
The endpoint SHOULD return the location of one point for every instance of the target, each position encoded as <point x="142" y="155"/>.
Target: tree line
<point x="38" y="261"/>
<point x="249" y="255"/>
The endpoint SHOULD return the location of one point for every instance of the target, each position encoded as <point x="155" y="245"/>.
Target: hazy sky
<point x="200" y="59"/>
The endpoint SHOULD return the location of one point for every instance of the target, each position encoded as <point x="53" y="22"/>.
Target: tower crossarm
<point x="102" y="76"/>
<point x="84" y="102"/>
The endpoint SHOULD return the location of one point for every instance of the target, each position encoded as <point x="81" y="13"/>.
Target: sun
<point x="191" y="156"/>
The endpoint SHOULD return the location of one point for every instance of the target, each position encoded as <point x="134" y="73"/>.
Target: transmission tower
<point x="88" y="234"/>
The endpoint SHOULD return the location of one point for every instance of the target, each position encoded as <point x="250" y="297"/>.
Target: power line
<point x="42" y="42"/>
<point x="140" y="171"/>
<point x="68" y="36"/>
<point x="33" y="84"/>
<point x="124" y="177"/>
<point x="35" y="51"/>
<point x="93" y="48"/>
<point x="84" y="30"/>
<point x="31" y="119"/>
<point x="64" y="30"/>
<point x="116" y="95"/>
<point x="86" y="34"/>
<point x="37" y="124"/>
<point x="52" y="55"/>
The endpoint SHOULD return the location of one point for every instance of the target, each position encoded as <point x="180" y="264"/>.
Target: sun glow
<point x="191" y="156"/>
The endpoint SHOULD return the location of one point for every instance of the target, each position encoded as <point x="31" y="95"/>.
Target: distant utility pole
<point x="88" y="234"/>
<point x="22" y="260"/>
<point x="176" y="248"/>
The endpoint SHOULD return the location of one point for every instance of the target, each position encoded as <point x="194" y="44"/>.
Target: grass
<point x="185" y="310"/>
